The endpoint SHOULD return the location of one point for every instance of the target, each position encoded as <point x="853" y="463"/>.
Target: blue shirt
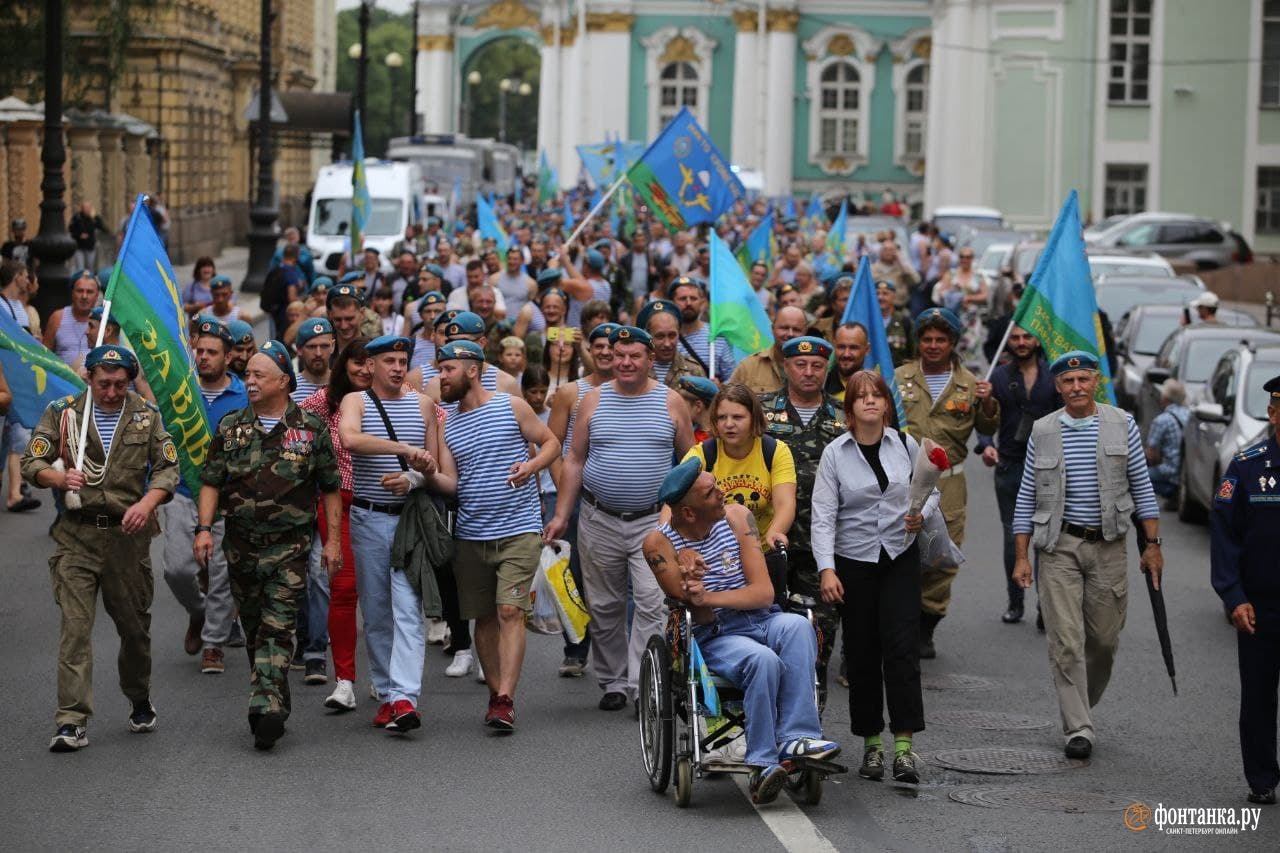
<point x="232" y="399"/>
<point x="1165" y="435"/>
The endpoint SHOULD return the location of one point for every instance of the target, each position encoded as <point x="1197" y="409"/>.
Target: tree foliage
<point x="388" y="32"/>
<point x="512" y="59"/>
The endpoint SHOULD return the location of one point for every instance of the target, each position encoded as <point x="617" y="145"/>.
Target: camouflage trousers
<point x="268" y="577"/>
<point x="802" y="577"/>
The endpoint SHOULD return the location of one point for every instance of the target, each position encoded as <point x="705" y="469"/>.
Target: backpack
<point x="768" y="446"/>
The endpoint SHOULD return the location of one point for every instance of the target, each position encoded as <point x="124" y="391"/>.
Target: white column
<point x="573" y="69"/>
<point x="744" y="147"/>
<point x="607" y="90"/>
<point x="549" y="100"/>
<point x="958" y="86"/>
<point x="781" y="90"/>
<point x="435" y="71"/>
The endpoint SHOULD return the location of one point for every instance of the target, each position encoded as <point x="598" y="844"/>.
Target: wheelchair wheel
<point x="684" y="781"/>
<point x="806" y="787"/>
<point x="656" y="724"/>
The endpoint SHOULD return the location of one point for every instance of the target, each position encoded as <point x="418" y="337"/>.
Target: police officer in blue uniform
<point x="1245" y="574"/>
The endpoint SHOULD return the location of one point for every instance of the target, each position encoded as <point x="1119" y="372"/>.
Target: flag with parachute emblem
<point x="736" y="313"/>
<point x="36" y="376"/>
<point x="759" y="245"/>
<point x="361" y="204"/>
<point x="683" y="177"/>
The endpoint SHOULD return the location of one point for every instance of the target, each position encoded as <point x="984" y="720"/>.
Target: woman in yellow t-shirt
<point x="753" y="469"/>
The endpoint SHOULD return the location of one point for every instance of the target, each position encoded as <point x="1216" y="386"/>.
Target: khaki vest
<point x="1051" y="479"/>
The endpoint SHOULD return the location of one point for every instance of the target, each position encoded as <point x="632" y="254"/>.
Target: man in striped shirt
<point x="1085" y="474"/>
<point x="315" y="343"/>
<point x="695" y="339"/>
<point x="623" y="440"/>
<point x="499" y="515"/>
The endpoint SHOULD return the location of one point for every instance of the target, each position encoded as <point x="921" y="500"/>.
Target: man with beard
<point x="315" y="344"/>
<point x="564" y="411"/>
<point x="499" y="515"/>
<point x="1024" y="389"/>
<point x="210" y="609"/>
<point x="623" y="441"/>
<point x="762" y="371"/>
<point x="851" y="350"/>
<point x="661" y="319"/>
<point x="242" y="346"/>
<point x="691" y="295"/>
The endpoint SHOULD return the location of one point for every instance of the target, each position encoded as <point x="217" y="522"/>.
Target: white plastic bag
<point x="937" y="551"/>
<point x="543" y="619"/>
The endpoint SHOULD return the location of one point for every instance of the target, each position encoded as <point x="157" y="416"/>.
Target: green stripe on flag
<point x="647" y="186"/>
<point x="1035" y="314"/>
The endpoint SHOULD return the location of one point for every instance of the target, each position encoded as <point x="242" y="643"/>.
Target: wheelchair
<point x="676" y="728"/>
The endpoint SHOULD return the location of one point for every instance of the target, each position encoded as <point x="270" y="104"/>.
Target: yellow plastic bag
<point x="570" y="605"/>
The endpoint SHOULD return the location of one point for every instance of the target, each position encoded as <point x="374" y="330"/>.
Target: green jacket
<point x="806" y="444"/>
<point x="421" y="544"/>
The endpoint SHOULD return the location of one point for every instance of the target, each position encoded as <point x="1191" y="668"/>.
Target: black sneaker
<point x="298" y="661"/>
<point x="905" y="768"/>
<point x="613" y="701"/>
<point x="872" y="764"/>
<point x="143" y="718"/>
<point x="268" y="729"/>
<point x="1263" y="798"/>
<point x="69" y="738"/>
<point x="766" y="784"/>
<point x="1078" y="747"/>
<point x="316" y="673"/>
<point x="1013" y="615"/>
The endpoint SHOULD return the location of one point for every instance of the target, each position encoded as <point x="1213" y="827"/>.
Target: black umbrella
<point x="1157" y="609"/>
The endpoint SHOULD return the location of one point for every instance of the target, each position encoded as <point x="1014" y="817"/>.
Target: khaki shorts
<point x="494" y="572"/>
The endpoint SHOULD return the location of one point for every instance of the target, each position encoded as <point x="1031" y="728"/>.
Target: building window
<point x="917" y="109"/>
<point x="679" y="89"/>
<point x="1126" y="190"/>
<point x="840" y="94"/>
<point x="1267" y="215"/>
<point x="1130" y="52"/>
<point x="1271" y="53"/>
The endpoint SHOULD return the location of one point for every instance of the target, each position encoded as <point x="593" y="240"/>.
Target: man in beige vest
<point x="1084" y="476"/>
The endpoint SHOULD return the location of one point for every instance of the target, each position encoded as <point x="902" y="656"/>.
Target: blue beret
<point x="354" y="275"/>
<point x="550" y="276"/>
<point x="317" y="283"/>
<point x="630" y="335"/>
<point x="279" y="354"/>
<point x="433" y="220"/>
<point x="465" y="350"/>
<point x="806" y="345"/>
<point x="447" y="316"/>
<point x="603" y="243"/>
<point x="552" y="291"/>
<point x="679" y="481"/>
<point x="219" y="281"/>
<point x="932" y="318"/>
<point x="241" y="332"/>
<point x="112" y="355"/>
<point x="96" y="314"/>
<point x="344" y="289"/>
<point x="699" y="386"/>
<point x="791" y="225"/>
<point x="1074" y="360"/>
<point x="604" y="330"/>
<point x="888" y="285"/>
<point x="211" y="327"/>
<point x="389" y="343"/>
<point x="657" y="306"/>
<point x="372" y="249"/>
<point x="431" y="297"/>
<point x="595" y="260"/>
<point x="830" y="275"/>
<point x="313" y="327"/>
<point x="465" y="323"/>
<point x="685" y="281"/>
<point x="436" y="270"/>
<point x="79" y="274"/>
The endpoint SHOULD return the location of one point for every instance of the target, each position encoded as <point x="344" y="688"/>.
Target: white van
<point x="395" y="190"/>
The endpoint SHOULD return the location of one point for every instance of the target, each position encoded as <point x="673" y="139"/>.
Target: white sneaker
<point x="343" y="697"/>
<point x="373" y="693"/>
<point x="733" y="752"/>
<point x="479" y="672"/>
<point x="437" y="630"/>
<point x="461" y="664"/>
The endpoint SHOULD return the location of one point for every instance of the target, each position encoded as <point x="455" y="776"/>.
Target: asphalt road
<point x="571" y="777"/>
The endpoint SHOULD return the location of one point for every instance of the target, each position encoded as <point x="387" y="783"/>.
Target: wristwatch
<point x="203" y="528"/>
<point x="1155" y="540"/>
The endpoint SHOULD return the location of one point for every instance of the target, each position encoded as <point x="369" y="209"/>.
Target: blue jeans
<point x="1008" y="476"/>
<point x="316" y="632"/>
<point x="393" y="629"/>
<point x="770" y="656"/>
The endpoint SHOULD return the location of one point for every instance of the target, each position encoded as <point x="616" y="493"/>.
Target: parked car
<point x="1229" y="415"/>
<point x="953" y="219"/>
<point x="978" y="238"/>
<point x="870" y="225"/>
<point x="1190" y="355"/>
<point x="1139" y="334"/>
<point x="1117" y="295"/>
<point x="1107" y="262"/>
<point x="1202" y="242"/>
<point x="1103" y="224"/>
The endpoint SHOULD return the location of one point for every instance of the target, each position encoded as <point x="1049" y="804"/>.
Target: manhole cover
<point x="948" y="681"/>
<point x="999" y="759"/>
<point x="1021" y="797"/>
<point x="987" y="720"/>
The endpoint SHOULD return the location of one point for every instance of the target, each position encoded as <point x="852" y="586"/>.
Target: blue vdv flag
<point x="736" y="313"/>
<point x="759" y="244"/>
<point x="814" y="218"/>
<point x="36" y="376"/>
<point x="789" y="208"/>
<point x="683" y="177"/>
<point x="489" y="226"/>
<point x="835" y="237"/>
<point x="863" y="307"/>
<point x="361" y="204"/>
<point x="569" y="221"/>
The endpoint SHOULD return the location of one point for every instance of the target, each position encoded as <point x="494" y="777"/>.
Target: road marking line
<point x="788" y="823"/>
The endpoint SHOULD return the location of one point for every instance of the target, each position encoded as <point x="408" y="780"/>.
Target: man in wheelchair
<point x="708" y="556"/>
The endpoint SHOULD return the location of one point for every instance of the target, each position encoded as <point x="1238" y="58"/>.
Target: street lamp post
<point x="53" y="245"/>
<point x="505" y="86"/>
<point x="362" y="58"/>
<point x="473" y="80"/>
<point x="413" y="74"/>
<point x="394" y="62"/>
<point x="263" y="214"/>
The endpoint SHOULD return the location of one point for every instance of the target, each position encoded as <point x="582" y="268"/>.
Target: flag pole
<point x="592" y="215"/>
<point x="991" y="368"/>
<point x="73" y="497"/>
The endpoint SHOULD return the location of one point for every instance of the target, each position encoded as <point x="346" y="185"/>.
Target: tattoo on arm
<point x="657" y="562"/>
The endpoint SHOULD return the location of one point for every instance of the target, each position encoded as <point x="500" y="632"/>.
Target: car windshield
<point x="333" y="217"/>
<point x="1255" y="399"/>
<point x="1201" y="357"/>
<point x="1105" y="267"/>
<point x="1152" y="331"/>
<point x="953" y="224"/>
<point x="1116" y="300"/>
<point x="994" y="257"/>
